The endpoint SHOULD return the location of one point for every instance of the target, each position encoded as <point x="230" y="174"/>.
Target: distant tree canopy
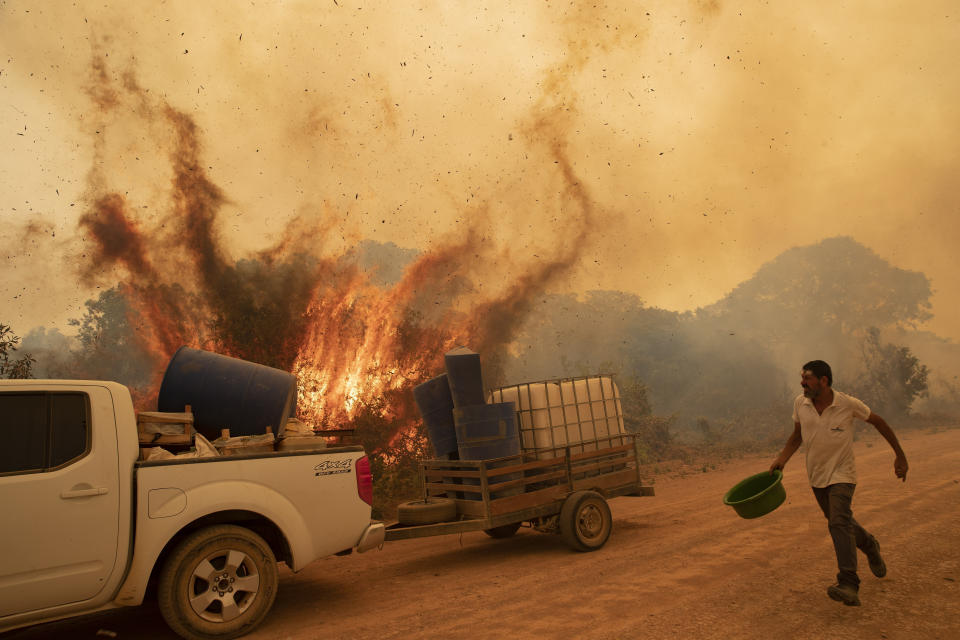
<point x="838" y="282"/>
<point x="832" y="300"/>
<point x="108" y="345"/>
<point x="819" y="295"/>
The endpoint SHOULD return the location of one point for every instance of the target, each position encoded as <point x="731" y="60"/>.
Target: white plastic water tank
<point x="571" y="411"/>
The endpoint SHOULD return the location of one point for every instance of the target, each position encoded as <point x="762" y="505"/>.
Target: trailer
<point x="558" y="490"/>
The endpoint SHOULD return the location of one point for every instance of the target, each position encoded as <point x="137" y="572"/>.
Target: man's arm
<point x="793" y="443"/>
<point x="900" y="465"/>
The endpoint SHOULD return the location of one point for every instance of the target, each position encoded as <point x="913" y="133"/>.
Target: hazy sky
<point x="708" y="136"/>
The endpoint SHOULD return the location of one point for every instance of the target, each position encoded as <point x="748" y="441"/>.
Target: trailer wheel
<point x="503" y="531"/>
<point x="585" y="521"/>
<point x="430" y="512"/>
<point x="220" y="582"/>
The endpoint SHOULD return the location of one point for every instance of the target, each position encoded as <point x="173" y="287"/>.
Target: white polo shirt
<point x="829" y="437"/>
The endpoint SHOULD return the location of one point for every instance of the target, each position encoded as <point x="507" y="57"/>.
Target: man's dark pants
<point x="835" y="501"/>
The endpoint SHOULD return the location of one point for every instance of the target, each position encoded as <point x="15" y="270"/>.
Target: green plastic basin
<point x="757" y="495"/>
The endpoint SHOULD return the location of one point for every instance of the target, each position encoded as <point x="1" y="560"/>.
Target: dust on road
<point x="678" y="565"/>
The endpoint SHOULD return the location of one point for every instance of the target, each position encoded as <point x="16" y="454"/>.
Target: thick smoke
<point x="711" y="136"/>
<point x="668" y="151"/>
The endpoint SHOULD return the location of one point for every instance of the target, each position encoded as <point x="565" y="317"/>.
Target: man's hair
<point x="820" y="369"/>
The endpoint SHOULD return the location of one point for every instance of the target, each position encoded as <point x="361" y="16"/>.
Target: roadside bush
<point x="655" y="434"/>
<point x="11" y="367"/>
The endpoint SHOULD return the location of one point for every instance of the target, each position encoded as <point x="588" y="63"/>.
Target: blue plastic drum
<point x="485" y="432"/>
<point x="436" y="408"/>
<point x="227" y="393"/>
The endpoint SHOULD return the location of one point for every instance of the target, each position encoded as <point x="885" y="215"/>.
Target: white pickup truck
<point x="86" y="526"/>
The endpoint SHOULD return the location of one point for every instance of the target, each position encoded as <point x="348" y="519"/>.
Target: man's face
<point x="812" y="385"/>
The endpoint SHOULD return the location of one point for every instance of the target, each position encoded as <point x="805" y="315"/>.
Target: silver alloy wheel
<point x="223" y="585"/>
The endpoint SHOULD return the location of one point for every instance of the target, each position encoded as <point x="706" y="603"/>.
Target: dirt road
<point x="678" y="565"/>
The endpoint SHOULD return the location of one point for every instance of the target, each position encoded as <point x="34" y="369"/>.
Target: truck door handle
<point x="83" y="493"/>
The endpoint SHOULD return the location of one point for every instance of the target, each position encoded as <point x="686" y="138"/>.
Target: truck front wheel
<point x="219" y="582"/>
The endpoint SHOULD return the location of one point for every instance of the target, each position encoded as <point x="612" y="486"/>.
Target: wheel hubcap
<point x="590" y="521"/>
<point x="223" y="585"/>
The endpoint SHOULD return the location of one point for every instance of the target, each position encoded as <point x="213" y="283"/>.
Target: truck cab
<point x="88" y="525"/>
<point x="67" y="512"/>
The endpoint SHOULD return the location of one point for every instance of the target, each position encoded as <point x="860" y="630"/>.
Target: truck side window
<point x="68" y="427"/>
<point x="40" y="431"/>
<point x="23" y="429"/>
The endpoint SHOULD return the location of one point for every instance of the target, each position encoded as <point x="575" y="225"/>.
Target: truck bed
<point x="249" y="456"/>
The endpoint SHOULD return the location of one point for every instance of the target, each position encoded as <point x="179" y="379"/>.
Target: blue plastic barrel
<point x="464" y="377"/>
<point x="227" y="393"/>
<point x="436" y="408"/>
<point x="486" y="432"/>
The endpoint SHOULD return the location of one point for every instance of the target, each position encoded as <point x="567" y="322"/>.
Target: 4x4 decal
<point x="331" y="467"/>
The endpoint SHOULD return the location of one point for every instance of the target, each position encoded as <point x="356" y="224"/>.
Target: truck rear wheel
<point x="219" y="582"/>
<point x="585" y="521"/>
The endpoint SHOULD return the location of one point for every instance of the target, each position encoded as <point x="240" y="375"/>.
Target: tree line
<point x="723" y="373"/>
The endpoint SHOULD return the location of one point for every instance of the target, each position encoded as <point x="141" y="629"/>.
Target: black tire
<point x="219" y="582"/>
<point x="503" y="531"/>
<point x="430" y="512"/>
<point x="585" y="521"/>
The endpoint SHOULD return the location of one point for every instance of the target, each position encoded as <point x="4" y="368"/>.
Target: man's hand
<point x="900" y="467"/>
<point x="778" y="464"/>
<point x="793" y="443"/>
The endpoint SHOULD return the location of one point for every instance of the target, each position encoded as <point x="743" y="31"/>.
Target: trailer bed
<point x="526" y="488"/>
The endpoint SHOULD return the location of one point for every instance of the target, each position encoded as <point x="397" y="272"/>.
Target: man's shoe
<point x="877" y="565"/>
<point x="845" y="593"/>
